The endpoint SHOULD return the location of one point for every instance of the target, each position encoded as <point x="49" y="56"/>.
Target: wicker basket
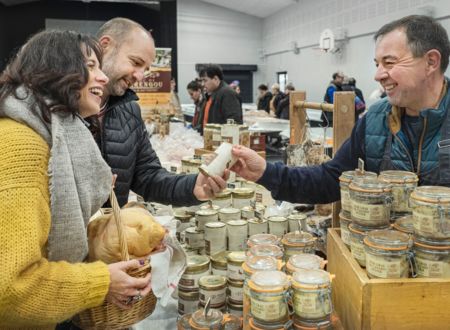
<point x="109" y="316"/>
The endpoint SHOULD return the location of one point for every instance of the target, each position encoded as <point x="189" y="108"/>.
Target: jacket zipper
<point x="419" y="156"/>
<point x="406" y="151"/>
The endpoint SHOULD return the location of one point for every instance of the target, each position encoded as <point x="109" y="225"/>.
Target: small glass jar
<point x="344" y="222"/>
<point x="237" y="235"/>
<point x="257" y="226"/>
<point x="187" y="301"/>
<point x="295" y="220"/>
<point x="222" y="199"/>
<point x="183" y="322"/>
<point x="212" y="321"/>
<point x="268" y="296"/>
<point x="197" y="267"/>
<point x="229" y="213"/>
<point x="312" y="294"/>
<point x="357" y="234"/>
<point x="403" y="183"/>
<point x="278" y="225"/>
<point x="203" y="216"/>
<point x="304" y="261"/>
<point x="266" y="250"/>
<point x="371" y="202"/>
<point x="215" y="237"/>
<point x="430" y="209"/>
<point x="432" y="257"/>
<point x="213" y="287"/>
<point x="344" y="181"/>
<point x="242" y="197"/>
<point x="247" y="212"/>
<point x="405" y="224"/>
<point x="194" y="238"/>
<point x="235" y="291"/>
<point x="234" y="265"/>
<point x="387" y="254"/>
<point x="262" y="239"/>
<point x="219" y="263"/>
<point x="298" y="242"/>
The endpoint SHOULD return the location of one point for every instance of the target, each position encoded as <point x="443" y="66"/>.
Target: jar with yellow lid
<point x="344" y="181"/>
<point x="234" y="265"/>
<point x="403" y="183"/>
<point x="405" y="224"/>
<point x="357" y="234"/>
<point x="262" y="239"/>
<point x="311" y="296"/>
<point x="304" y="261"/>
<point x="387" y="254"/>
<point x="257" y="226"/>
<point x="222" y="199"/>
<point x="242" y="197"/>
<point x="371" y="202"/>
<point x="219" y="263"/>
<point x="252" y="265"/>
<point x="229" y="213"/>
<point x="213" y="287"/>
<point x="432" y="257"/>
<point x="344" y="222"/>
<point x="430" y="208"/>
<point x="296" y="221"/>
<point x="268" y="296"/>
<point x="203" y="216"/>
<point x="266" y="250"/>
<point x="247" y="212"/>
<point x="278" y="225"/>
<point x="298" y="242"/>
<point x="197" y="267"/>
<point x="187" y="302"/>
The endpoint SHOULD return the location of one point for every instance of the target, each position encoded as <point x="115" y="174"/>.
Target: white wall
<point x="212" y="34"/>
<point x="303" y="22"/>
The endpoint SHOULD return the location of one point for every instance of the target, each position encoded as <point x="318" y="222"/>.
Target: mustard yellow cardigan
<point x="35" y="293"/>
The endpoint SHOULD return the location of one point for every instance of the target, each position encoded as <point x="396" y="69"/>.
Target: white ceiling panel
<point x="258" y="8"/>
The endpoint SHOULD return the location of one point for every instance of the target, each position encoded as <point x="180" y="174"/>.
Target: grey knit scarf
<point x="79" y="178"/>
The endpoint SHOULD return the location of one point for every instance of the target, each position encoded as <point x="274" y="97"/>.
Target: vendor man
<point x="409" y="130"/>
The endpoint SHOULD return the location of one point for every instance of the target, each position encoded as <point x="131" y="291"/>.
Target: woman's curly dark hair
<point x="52" y="66"/>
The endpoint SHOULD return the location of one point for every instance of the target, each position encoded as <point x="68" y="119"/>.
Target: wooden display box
<point x="364" y="303"/>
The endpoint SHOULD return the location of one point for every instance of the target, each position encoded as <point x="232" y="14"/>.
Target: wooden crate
<point x="364" y="303"/>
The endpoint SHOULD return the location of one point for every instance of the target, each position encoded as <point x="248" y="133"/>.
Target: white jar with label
<point x="213" y="287"/>
<point x="194" y="238"/>
<point x="215" y="237"/>
<point x="235" y="291"/>
<point x="311" y="296"/>
<point x="197" y="267"/>
<point x="237" y="235"/>
<point x="257" y="226"/>
<point x="296" y="221"/>
<point x="242" y="197"/>
<point x="387" y="254"/>
<point x="344" y="222"/>
<point x="222" y="199"/>
<point x="203" y="216"/>
<point x="403" y="183"/>
<point x="229" y="213"/>
<point x="432" y="257"/>
<point x="431" y="209"/>
<point x="268" y="297"/>
<point x="247" y="212"/>
<point x="344" y="181"/>
<point x="234" y="265"/>
<point x="187" y="302"/>
<point x="357" y="234"/>
<point x="278" y="225"/>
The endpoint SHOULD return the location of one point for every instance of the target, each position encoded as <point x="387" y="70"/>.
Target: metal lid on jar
<point x="312" y="277"/>
<point x="398" y="177"/>
<point x="212" y="319"/>
<point x="259" y="239"/>
<point x="220" y="259"/>
<point x="432" y="194"/>
<point x="370" y="185"/>
<point x="243" y="193"/>
<point x="405" y="224"/>
<point x="257" y="263"/>
<point x="297" y="216"/>
<point x="266" y="250"/>
<point x="195" y="263"/>
<point x="298" y="238"/>
<point x="192" y="230"/>
<point x="210" y="206"/>
<point x="256" y="221"/>
<point x="215" y="224"/>
<point x="431" y="244"/>
<point x="270" y="279"/>
<point x="277" y="218"/>
<point x="224" y="194"/>
<point x="386" y="239"/>
<point x="229" y="210"/>
<point x="347" y="176"/>
<point x="237" y="223"/>
<point x="206" y="212"/>
<point x="236" y="258"/>
<point x="182" y="215"/>
<point x="212" y="282"/>
<point x="306" y="261"/>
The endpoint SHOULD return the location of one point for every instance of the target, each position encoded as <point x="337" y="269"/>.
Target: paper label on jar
<point x="268" y="310"/>
<point x="430" y="268"/>
<point x="357" y="250"/>
<point x="426" y="223"/>
<point x="218" y="271"/>
<point x="190" y="281"/>
<point x="218" y="297"/>
<point x="400" y="199"/>
<point x="345" y="235"/>
<point x="195" y="240"/>
<point x="236" y="293"/>
<point x="346" y="203"/>
<point x="239" y="203"/>
<point x="235" y="272"/>
<point x="384" y="266"/>
<point x="308" y="305"/>
<point x="369" y="212"/>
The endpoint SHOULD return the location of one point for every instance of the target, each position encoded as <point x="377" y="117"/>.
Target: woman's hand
<point x="123" y="288"/>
